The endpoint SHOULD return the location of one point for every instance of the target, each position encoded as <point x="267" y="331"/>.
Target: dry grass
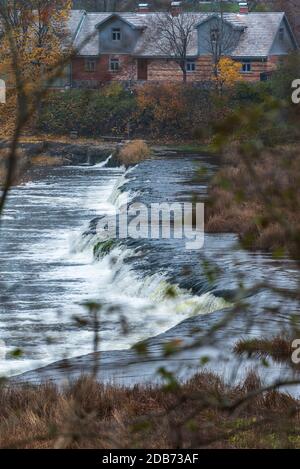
<point x="134" y="152"/>
<point x="198" y="414"/>
<point x="40" y="138"/>
<point x="262" y="206"/>
<point x="22" y="162"/>
<point x="46" y="160"/>
<point x="278" y="348"/>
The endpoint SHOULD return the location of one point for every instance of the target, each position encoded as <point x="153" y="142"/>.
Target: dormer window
<point x="214" y="34"/>
<point x="116" y="34"/>
<point x="281" y="34"/>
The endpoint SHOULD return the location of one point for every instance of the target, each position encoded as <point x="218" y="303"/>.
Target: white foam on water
<point x="49" y="270"/>
<point x="102" y="164"/>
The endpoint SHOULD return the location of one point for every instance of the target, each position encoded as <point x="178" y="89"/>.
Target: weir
<point x="153" y="285"/>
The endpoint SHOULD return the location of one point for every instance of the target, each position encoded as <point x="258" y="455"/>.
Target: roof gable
<point x="284" y="23"/>
<point x="259" y="36"/>
<point x="117" y="16"/>
<point x="224" y="19"/>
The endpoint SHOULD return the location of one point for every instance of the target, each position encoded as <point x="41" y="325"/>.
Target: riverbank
<point x="39" y="152"/>
<point x="258" y="199"/>
<point x="202" y="413"/>
<point x="46" y="150"/>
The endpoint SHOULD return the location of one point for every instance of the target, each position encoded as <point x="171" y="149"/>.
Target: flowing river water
<point x="48" y="270"/>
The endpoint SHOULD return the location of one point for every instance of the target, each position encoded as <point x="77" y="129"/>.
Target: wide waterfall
<point x="53" y="261"/>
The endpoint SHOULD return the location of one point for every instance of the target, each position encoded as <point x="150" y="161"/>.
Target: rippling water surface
<point x="47" y="268"/>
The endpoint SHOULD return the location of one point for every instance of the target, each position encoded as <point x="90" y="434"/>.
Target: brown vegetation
<point x="46" y="160"/>
<point x="21" y="162"/>
<point x="24" y="162"/>
<point x="133" y="152"/>
<point x="278" y="348"/>
<point x="202" y="413"/>
<point x="261" y="203"/>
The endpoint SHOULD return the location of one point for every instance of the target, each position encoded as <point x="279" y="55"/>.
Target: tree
<point x="95" y="5"/>
<point x="34" y="37"/>
<point x="228" y="73"/>
<point x="172" y="35"/>
<point x="33" y="48"/>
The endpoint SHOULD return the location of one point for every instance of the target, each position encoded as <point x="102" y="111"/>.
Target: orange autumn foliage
<point x="229" y="73"/>
<point x="34" y="43"/>
<point x="166" y="102"/>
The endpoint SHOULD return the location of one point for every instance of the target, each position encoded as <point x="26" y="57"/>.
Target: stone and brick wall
<point x="157" y="70"/>
<point x="81" y="77"/>
<point x="168" y="70"/>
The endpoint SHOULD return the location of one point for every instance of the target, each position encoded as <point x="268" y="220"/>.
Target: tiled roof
<point x="256" y="39"/>
<point x="259" y="36"/>
<point x="74" y="21"/>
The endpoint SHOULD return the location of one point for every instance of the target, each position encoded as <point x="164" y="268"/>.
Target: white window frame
<point x="115" y="61"/>
<point x="116" y="34"/>
<point x="190" y="65"/>
<point x="247" y="66"/>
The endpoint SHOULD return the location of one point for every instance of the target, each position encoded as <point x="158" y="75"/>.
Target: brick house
<point x="115" y="46"/>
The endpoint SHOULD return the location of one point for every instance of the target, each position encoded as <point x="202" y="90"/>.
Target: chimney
<point x="143" y="8"/>
<point x="244" y="9"/>
<point x="176" y="8"/>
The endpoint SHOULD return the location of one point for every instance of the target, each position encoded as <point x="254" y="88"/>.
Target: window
<point x="281" y="34"/>
<point x="114" y="65"/>
<point x="190" y="65"/>
<point x="246" y="67"/>
<point x="116" y="34"/>
<point x="266" y="76"/>
<point x="90" y="65"/>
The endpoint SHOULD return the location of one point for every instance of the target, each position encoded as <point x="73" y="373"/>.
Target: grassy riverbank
<point x="259" y="200"/>
<point x="202" y="413"/>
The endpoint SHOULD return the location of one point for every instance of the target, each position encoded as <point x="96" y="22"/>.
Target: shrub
<point x="89" y="112"/>
<point x="134" y="152"/>
<point x="287" y="72"/>
<point x="252" y="92"/>
<point x="114" y="90"/>
<point x="279" y="348"/>
<point x="162" y="106"/>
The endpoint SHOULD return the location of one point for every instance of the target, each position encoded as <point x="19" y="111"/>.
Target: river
<point x="48" y="270"/>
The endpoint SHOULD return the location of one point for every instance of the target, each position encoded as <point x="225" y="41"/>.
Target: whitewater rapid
<point x="48" y="272"/>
